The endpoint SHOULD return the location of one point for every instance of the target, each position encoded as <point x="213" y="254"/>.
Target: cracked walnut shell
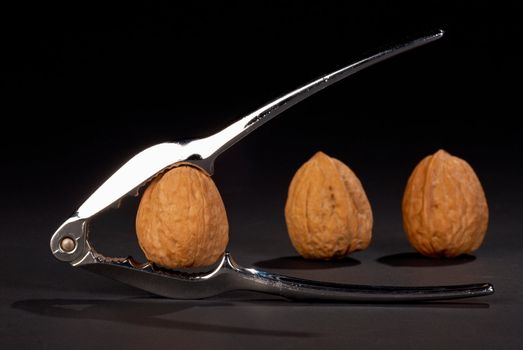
<point x="327" y="212"/>
<point x="181" y="220"/>
<point x="445" y="211"/>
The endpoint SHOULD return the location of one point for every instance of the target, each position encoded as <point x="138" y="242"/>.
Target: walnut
<point x="445" y="211"/>
<point x="328" y="214"/>
<point x="181" y="220"/>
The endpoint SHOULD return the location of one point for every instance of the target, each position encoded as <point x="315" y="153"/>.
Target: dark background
<point x="84" y="88"/>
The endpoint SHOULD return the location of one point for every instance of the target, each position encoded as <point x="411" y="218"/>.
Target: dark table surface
<point x="85" y="91"/>
<point x="48" y="304"/>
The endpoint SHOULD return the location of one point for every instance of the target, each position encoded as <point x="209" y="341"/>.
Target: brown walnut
<point x="327" y="212"/>
<point x="445" y="211"/>
<point x="181" y="220"/>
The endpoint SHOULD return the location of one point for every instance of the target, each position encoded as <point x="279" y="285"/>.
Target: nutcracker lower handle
<point x="295" y="288"/>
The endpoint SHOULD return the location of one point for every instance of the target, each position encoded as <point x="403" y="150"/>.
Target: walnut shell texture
<point x="327" y="212"/>
<point x="445" y="211"/>
<point x="181" y="220"/>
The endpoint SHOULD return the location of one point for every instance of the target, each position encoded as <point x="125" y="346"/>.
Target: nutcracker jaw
<point x="70" y="243"/>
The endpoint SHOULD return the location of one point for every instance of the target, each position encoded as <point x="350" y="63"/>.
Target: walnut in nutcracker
<point x="327" y="212"/>
<point x="445" y="211"/>
<point x="181" y="220"/>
